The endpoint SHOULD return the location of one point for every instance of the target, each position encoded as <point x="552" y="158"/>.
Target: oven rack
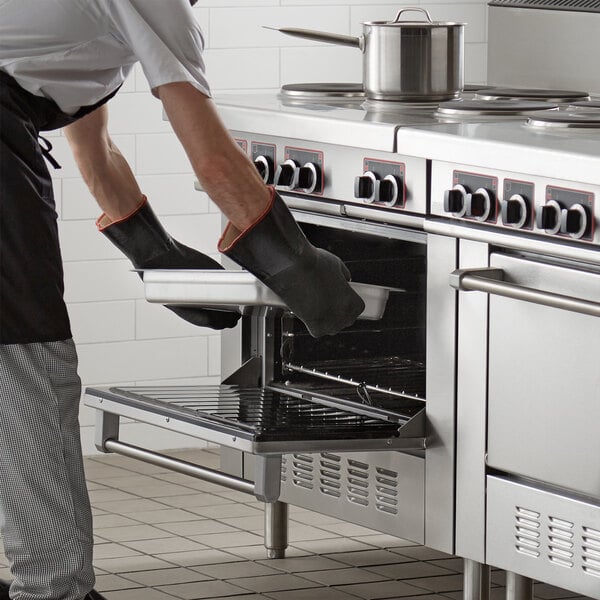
<point x="375" y="380"/>
<point x="266" y="420"/>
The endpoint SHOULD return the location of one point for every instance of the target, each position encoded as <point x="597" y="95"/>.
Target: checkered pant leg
<point x="46" y="515"/>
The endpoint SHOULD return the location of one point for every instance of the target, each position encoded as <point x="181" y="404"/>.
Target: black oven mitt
<point x="312" y="282"/>
<point x="143" y="240"/>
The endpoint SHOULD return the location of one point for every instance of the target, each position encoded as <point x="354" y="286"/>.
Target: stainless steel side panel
<point x="383" y="491"/>
<point x="544" y="536"/>
<point x="441" y="394"/>
<point x="544" y="380"/>
<point x="471" y="411"/>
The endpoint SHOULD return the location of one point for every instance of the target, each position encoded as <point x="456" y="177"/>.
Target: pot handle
<point x="320" y="36"/>
<point x="416" y="8"/>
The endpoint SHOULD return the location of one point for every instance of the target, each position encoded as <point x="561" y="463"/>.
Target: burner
<point x="482" y="108"/>
<point x="533" y="94"/>
<point x="323" y="91"/>
<point x="473" y="87"/>
<point x="589" y="104"/>
<point x="566" y="120"/>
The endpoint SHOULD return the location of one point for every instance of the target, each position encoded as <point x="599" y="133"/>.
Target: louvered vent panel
<point x="284" y="468"/>
<point x="303" y="470"/>
<point x="386" y="491"/>
<point x="527" y="531"/>
<point x="560" y="542"/>
<point x="330" y="475"/>
<point x="574" y="5"/>
<point x="357" y="490"/>
<point x="591" y="551"/>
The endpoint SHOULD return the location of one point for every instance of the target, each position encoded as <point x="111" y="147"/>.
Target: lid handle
<point x="416" y="8"/>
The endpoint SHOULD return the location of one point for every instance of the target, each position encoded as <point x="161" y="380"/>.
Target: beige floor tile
<point x="274" y="583"/>
<point x="195" y="500"/>
<point x="198" y="527"/>
<point x="226" y="510"/>
<point x="381" y="589"/>
<point x="446" y="583"/>
<point x="166" y="577"/>
<point x="410" y="570"/>
<point x="111" y="550"/>
<point x="311" y="594"/>
<point x="344" y="576"/>
<point x="303" y="533"/>
<point x="199" y="557"/>
<point x="127" y="507"/>
<point x="138" y="594"/>
<point x="131" y="564"/>
<point x="133" y="533"/>
<point x="203" y="589"/>
<point x="109" y="520"/>
<point x="109" y="495"/>
<point x="303" y="564"/>
<point x="164" y="545"/>
<point x="229" y="572"/>
<point x="332" y="545"/>
<point x="107" y="583"/>
<point x="367" y="558"/>
<point x="165" y="515"/>
<point x="228" y="539"/>
<point x="260" y="553"/>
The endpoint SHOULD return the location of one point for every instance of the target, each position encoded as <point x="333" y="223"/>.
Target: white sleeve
<point x="164" y="36"/>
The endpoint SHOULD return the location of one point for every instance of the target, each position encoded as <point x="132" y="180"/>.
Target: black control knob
<point x="391" y="190"/>
<point x="287" y="174"/>
<point x="514" y="211"/>
<point x="455" y="200"/>
<point x="264" y="165"/>
<point x="574" y="221"/>
<point x="366" y="187"/>
<point x="549" y="216"/>
<point x="479" y="204"/>
<point x="309" y="178"/>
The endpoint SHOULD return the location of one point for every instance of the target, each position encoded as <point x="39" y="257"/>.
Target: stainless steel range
<point x="464" y="416"/>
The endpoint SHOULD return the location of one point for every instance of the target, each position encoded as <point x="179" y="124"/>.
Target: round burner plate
<point x="566" y="120"/>
<point x="590" y="104"/>
<point x="533" y="94"/>
<point x="492" y="107"/>
<point x="323" y="91"/>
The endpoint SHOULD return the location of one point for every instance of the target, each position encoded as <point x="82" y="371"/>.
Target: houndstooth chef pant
<point x="44" y="505"/>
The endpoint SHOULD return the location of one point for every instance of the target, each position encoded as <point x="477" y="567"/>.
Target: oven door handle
<point x="492" y="281"/>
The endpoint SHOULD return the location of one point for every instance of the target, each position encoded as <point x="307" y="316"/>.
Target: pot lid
<point x="414" y="23"/>
<point x="497" y="93"/>
<point x="590" y="104"/>
<point x="492" y="107"/>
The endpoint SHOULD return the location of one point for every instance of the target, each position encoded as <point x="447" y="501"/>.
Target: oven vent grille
<point x="386" y="486"/>
<point x="572" y="5"/>
<point x="562" y="542"/>
<point x="330" y="475"/>
<point x="591" y="551"/>
<point x="303" y="470"/>
<point x="527" y="531"/>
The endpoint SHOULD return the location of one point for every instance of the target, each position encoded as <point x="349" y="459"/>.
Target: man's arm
<point x="104" y="169"/>
<point x="226" y="173"/>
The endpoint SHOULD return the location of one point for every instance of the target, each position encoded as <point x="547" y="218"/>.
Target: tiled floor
<point x="165" y="536"/>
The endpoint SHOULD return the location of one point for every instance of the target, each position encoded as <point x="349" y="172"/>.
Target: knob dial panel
<point x="473" y="196"/>
<point x="366" y="187"/>
<point x="548" y="217"/>
<point x="515" y="211"/>
<point x="455" y="200"/>
<point x="302" y="171"/>
<point x="382" y="182"/>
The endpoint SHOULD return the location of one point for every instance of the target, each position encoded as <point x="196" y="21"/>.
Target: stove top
<point x="560" y="96"/>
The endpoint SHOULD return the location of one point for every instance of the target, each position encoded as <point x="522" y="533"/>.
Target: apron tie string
<point x="46" y="148"/>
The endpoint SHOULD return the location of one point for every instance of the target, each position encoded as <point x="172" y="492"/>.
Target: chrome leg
<point x="518" y="587"/>
<point x="476" y="581"/>
<point x="276" y="529"/>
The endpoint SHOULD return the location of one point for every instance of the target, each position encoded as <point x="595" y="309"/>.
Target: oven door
<point x="543" y="415"/>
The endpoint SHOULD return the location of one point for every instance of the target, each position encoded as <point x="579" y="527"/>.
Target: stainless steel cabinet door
<point x="544" y="378"/>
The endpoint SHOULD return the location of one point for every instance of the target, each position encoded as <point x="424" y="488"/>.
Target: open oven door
<point x="250" y="411"/>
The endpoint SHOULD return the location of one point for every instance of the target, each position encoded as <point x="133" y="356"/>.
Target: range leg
<point x="476" y="581"/>
<point x="276" y="529"/>
<point x="518" y="587"/>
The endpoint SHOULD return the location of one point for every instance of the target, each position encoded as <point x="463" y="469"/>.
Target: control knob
<point x="264" y="166"/>
<point x="479" y="204"/>
<point x="455" y="200"/>
<point x="391" y="190"/>
<point x="366" y="187"/>
<point x="514" y="211"/>
<point x="574" y="221"/>
<point x="549" y="217"/>
<point x="309" y="177"/>
<point x="287" y="175"/>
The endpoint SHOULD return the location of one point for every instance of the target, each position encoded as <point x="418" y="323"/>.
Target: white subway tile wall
<point x="121" y="338"/>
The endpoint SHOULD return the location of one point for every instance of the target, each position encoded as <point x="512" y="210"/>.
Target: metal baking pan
<point x="227" y="289"/>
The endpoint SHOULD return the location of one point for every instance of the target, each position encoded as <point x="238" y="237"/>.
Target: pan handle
<point x="320" y="36"/>
<point x="416" y="8"/>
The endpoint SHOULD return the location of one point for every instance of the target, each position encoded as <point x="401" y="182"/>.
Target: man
<point x="60" y="62"/>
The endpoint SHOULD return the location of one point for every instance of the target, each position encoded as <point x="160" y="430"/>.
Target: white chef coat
<point x="77" y="52"/>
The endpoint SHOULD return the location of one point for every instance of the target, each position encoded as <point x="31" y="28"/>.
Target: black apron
<point x="32" y="308"/>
